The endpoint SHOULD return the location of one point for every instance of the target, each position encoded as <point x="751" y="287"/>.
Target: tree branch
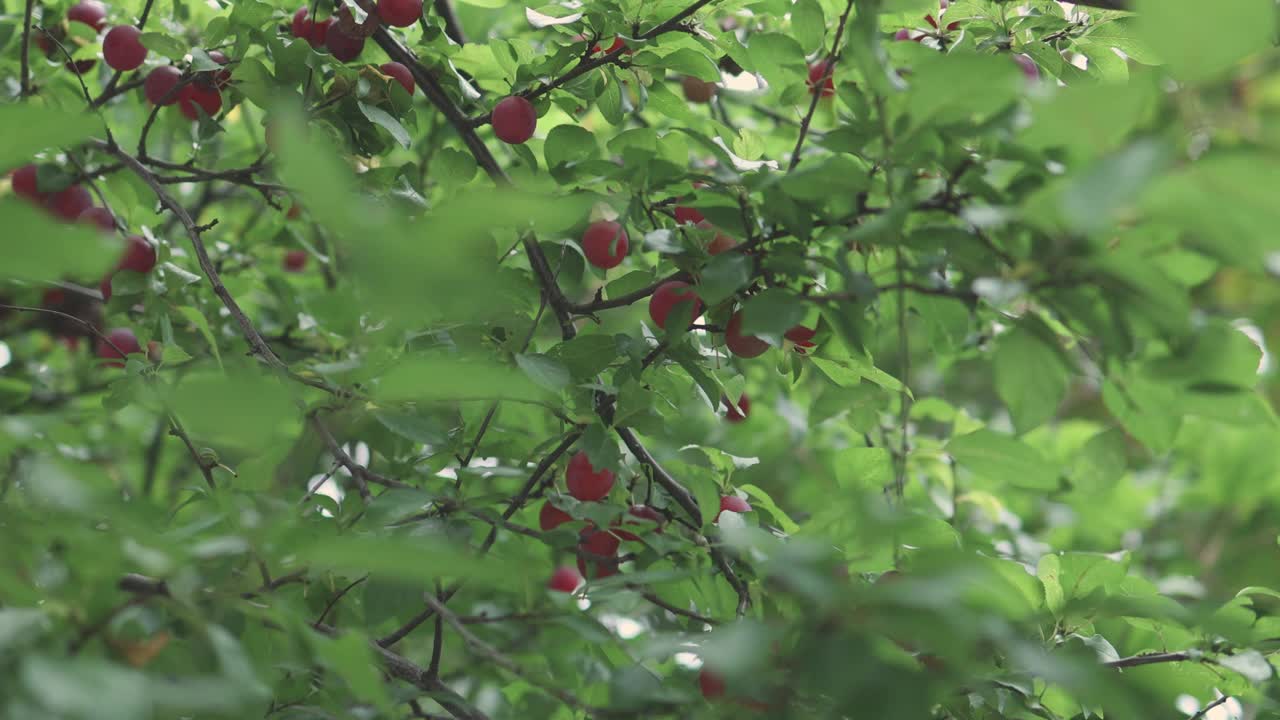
<point x="257" y="344"/>
<point x="25" y="86"/>
<point x="818" y="86"/>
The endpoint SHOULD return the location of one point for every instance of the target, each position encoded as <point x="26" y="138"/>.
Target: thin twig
<point x="818" y="86"/>
<point x="333" y="601"/>
<point x="250" y="333"/>
<point x="1204" y="711"/>
<point x="25" y="86"/>
<point x="491" y="653"/>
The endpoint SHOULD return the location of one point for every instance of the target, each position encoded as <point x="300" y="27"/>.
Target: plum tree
<point x="323" y="399"/>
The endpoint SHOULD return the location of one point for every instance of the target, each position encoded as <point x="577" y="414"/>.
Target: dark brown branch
<point x="333" y="601"/>
<point x="1153" y="659"/>
<point x="25" y="77"/>
<point x="590" y="308"/>
<point x="513" y="506"/>
<point x="482" y="648"/>
<point x="401" y="669"/>
<point x="651" y="597"/>
<point x="1205" y="710"/>
<point x="452" y="26"/>
<point x="435" y="92"/>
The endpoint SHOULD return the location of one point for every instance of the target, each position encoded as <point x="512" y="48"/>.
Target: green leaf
<point x="808" y="23"/>
<point x="1003" y="459"/>
<point x="202" y="325"/>
<point x="850" y="372"/>
<point x="64" y="249"/>
<point x="1197" y="45"/>
<point x="610" y="100"/>
<point x="723" y="276"/>
<point x="28" y="128"/>
<point x="772" y="312"/>
<point x="569" y="144"/>
<point x="350" y="656"/>
<point x="961" y="87"/>
<point x="379" y="117"/>
<point x="165" y="45"/>
<point x="1030" y="376"/>
<point x="1049" y="570"/>
<point x="545" y="371"/>
<point x="420" y="560"/>
<point x="762" y="500"/>
<point x="864" y="468"/>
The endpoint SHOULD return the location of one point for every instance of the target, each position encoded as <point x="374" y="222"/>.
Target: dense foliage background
<point x="990" y="285"/>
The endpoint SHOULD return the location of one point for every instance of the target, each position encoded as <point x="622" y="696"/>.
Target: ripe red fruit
<point x="802" y="337"/>
<point x="720" y="242"/>
<point x="159" y="85"/>
<point x="551" y="517"/>
<point x="597" y="547"/>
<point x="100" y="217"/>
<point x="344" y="47"/>
<point x="196" y="95"/>
<point x="89" y="12"/>
<point x="605" y="244"/>
<point x="616" y="46"/>
<point x="400" y="13"/>
<point x="301" y="25"/>
<point x="1028" y="66"/>
<point x="139" y="255"/>
<point x="295" y="260"/>
<point x="689" y="215"/>
<point x="598" y="542"/>
<point x="122" y="48"/>
<point x="565" y="580"/>
<point x="124" y="341"/>
<point x="584" y="481"/>
<point x="736" y="413"/>
<point x="24" y="184"/>
<point x="822" y="72"/>
<point x="104" y="287"/>
<point x="711" y="684"/>
<point x="744" y="346"/>
<point x="70" y="202"/>
<point x="318" y="33"/>
<point x="646" y="517"/>
<point x="734" y="504"/>
<point x="400" y="74"/>
<point x="221" y="78"/>
<point x="696" y="90"/>
<point x="667" y="296"/>
<point x="514" y="120"/>
<point x="80" y="67"/>
<point x="53" y="297"/>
